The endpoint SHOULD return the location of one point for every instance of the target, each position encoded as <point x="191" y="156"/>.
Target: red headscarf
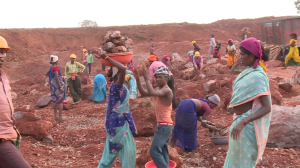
<point x="152" y="58"/>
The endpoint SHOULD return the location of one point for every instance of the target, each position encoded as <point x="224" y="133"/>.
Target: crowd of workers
<point x="250" y="102"/>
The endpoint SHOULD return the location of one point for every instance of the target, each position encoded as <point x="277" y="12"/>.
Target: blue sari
<point x="99" y="91"/>
<point x="56" y="94"/>
<point x="248" y="150"/>
<point x="185" y="128"/>
<point x="132" y="89"/>
<point x="120" y="127"/>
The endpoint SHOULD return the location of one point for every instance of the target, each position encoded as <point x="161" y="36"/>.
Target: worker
<point x="163" y="107"/>
<point x="231" y="52"/>
<point x="90" y="61"/>
<point x="119" y="123"/>
<point x="71" y="72"/>
<point x="211" y="45"/>
<point x="188" y="112"/>
<point x="10" y="154"/>
<point x="152" y="69"/>
<point x="85" y="61"/>
<point x="293" y="58"/>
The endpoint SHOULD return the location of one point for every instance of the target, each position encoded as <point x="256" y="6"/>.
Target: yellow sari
<point x="231" y="56"/>
<point x="293" y="54"/>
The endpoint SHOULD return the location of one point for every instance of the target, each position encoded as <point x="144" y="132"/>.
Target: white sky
<point x="68" y="13"/>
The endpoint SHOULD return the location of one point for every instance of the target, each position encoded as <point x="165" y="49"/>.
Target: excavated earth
<point x="79" y="141"/>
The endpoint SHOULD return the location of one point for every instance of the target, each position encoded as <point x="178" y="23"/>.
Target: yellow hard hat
<point x="73" y="56"/>
<point x="193" y="42"/>
<point x="197" y="54"/>
<point x="84" y="50"/>
<point x="3" y="44"/>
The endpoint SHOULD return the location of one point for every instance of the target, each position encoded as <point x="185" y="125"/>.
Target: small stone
<point x="34" y="92"/>
<point x="214" y="158"/>
<point x="202" y="75"/>
<point x="44" y="101"/>
<point x="48" y="139"/>
<point x="14" y="95"/>
<point x="25" y="92"/>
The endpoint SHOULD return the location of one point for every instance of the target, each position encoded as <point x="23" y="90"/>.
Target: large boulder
<point x="173" y="155"/>
<point x="38" y="129"/>
<point x="25" y="108"/>
<point x="282" y="75"/>
<point x="146" y="157"/>
<point x="287" y="86"/>
<point x="84" y="80"/>
<point x="190" y="91"/>
<point x="145" y="103"/>
<point x="291" y="102"/>
<point x="212" y="61"/>
<point x="275" y="94"/>
<point x="145" y="121"/>
<point x="226" y="82"/>
<point x="23" y="117"/>
<point x="187" y="74"/>
<point x="224" y="69"/>
<point x="285" y="127"/>
<point x="210" y="86"/>
<point x="44" y="101"/>
<point x="275" y="63"/>
<point x="87" y="93"/>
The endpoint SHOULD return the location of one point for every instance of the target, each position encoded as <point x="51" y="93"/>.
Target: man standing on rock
<point x="71" y="72"/>
<point x="10" y="156"/>
<point x="212" y="45"/>
<point x="163" y="108"/>
<point x="152" y="69"/>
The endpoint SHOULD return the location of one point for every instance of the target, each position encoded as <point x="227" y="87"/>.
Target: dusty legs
<point x="60" y="108"/>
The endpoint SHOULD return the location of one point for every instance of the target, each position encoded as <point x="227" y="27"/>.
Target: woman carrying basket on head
<point x="119" y="124"/>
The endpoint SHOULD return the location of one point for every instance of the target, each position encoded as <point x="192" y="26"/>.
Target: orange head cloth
<point x="152" y="58"/>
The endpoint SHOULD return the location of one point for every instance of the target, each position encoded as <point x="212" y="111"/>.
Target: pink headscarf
<point x="253" y="45"/>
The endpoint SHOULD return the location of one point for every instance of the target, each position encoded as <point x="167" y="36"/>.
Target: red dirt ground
<point x="80" y="140"/>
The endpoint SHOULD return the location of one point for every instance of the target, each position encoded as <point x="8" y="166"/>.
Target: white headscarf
<point x="53" y="58"/>
<point x="114" y="71"/>
<point x="214" y="99"/>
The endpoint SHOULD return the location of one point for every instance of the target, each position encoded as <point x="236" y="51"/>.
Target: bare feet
<point x="60" y="120"/>
<point x="195" y="155"/>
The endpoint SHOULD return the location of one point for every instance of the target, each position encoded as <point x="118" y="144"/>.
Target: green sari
<point x="248" y="150"/>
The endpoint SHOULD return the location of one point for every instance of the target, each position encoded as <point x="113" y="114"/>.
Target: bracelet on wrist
<point x="106" y="57"/>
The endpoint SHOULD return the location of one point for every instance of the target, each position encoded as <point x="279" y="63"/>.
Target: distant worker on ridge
<point x="212" y="45"/>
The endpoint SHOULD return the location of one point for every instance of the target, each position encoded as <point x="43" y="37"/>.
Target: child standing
<point x="163" y="108"/>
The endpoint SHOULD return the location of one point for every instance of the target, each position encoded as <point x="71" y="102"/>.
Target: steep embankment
<point x="31" y="43"/>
